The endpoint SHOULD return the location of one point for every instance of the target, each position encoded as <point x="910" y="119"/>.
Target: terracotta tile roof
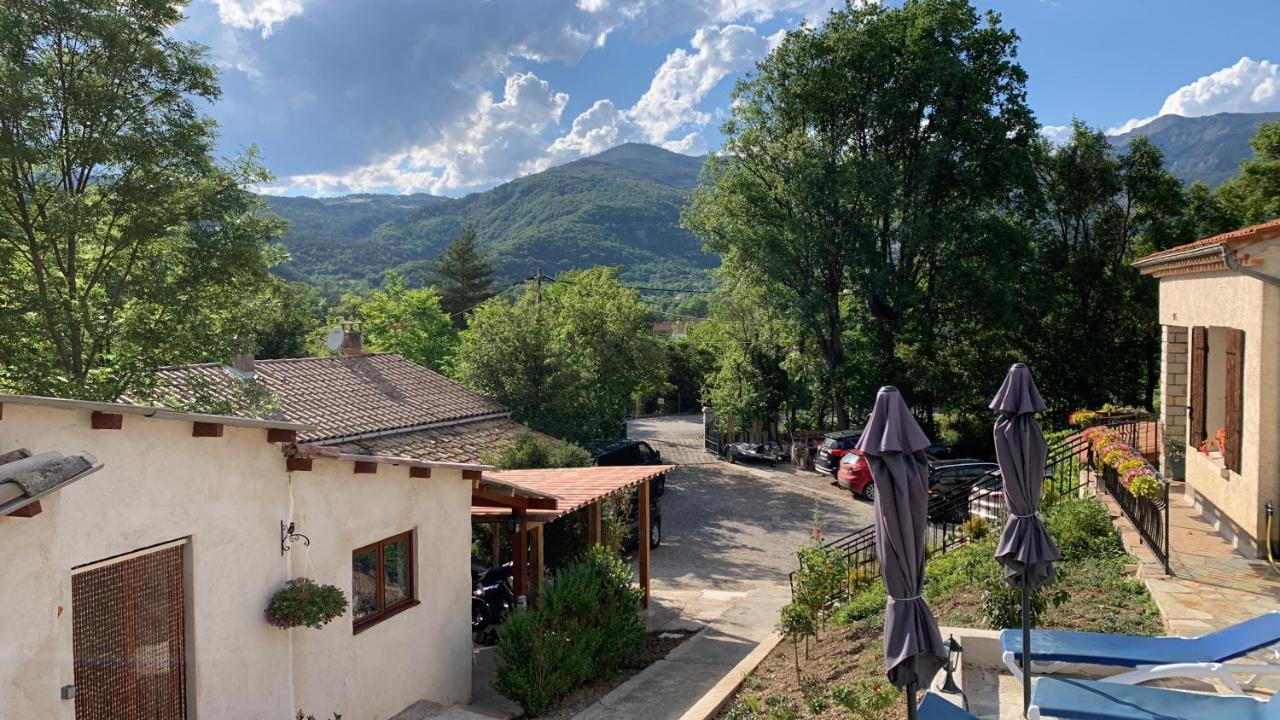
<point x="1172" y="260"/>
<point x="574" y="488"/>
<point x="25" y="478"/>
<point x="467" y="442"/>
<point x="345" y="396"/>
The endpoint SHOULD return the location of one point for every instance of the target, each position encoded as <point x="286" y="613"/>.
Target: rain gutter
<point x="1234" y="265"/>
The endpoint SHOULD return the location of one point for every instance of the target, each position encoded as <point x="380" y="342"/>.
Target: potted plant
<point x="303" y="602"/>
<point x="1175" y="459"/>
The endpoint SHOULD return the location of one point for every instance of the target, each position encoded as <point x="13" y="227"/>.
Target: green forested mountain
<point x="621" y="207"/>
<point x="1208" y="148"/>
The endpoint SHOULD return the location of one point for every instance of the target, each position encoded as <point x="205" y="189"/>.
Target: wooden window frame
<point x="384" y="611"/>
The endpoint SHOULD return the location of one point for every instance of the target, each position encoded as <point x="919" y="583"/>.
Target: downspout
<point x="1229" y="258"/>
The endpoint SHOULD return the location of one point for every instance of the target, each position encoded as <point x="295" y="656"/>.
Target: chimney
<point x="351" y="339"/>
<point x="242" y="366"/>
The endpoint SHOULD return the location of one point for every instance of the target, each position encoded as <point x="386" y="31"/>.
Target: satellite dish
<point x="335" y="338"/>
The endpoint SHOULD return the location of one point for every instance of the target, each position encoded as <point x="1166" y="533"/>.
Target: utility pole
<point x="537" y="279"/>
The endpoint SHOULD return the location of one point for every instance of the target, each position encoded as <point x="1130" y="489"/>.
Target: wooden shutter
<point x="1196" y="385"/>
<point x="1235" y="398"/>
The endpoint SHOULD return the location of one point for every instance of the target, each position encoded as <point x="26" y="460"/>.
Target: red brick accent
<point x="297" y="464"/>
<point x="365" y="468"/>
<point x="277" y="435"/>
<point x="106" y="421"/>
<point x="419" y="472"/>
<point x="206" y="429"/>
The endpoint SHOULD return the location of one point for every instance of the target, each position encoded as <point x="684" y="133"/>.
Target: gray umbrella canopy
<point x="1025" y="549"/>
<point x="894" y="447"/>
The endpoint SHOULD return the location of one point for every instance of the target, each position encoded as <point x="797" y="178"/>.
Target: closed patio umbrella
<point x="894" y="444"/>
<point x="1025" y="549"/>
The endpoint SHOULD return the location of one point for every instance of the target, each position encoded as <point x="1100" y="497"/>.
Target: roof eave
<point x="1150" y="263"/>
<point x="322" y="451"/>
<point x="152" y="411"/>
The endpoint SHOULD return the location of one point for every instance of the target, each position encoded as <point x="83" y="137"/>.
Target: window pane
<point x="395" y="561"/>
<point x="364" y="582"/>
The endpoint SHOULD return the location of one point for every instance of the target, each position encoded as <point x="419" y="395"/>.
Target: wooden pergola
<point x="537" y="497"/>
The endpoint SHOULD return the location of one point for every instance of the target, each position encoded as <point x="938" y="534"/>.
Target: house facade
<point x="1220" y="374"/>
<point x="140" y="589"/>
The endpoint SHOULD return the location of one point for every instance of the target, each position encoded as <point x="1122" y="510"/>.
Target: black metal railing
<point x="1149" y="515"/>
<point x="948" y="512"/>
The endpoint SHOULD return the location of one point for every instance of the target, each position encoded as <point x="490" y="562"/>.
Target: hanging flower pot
<point x="303" y="602"/>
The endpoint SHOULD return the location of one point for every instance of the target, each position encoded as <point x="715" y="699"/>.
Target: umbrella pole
<point x="911" y="701"/>
<point x="1026" y="646"/>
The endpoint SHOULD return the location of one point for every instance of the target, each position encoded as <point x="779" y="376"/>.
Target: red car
<point x="854" y="475"/>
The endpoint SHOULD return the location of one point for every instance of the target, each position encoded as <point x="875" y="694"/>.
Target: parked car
<point x="630" y="544"/>
<point x="609" y="453"/>
<point x="951" y="483"/>
<point x="770" y="452"/>
<point x="835" y="445"/>
<point x="938" y="451"/>
<point x="855" y="476"/>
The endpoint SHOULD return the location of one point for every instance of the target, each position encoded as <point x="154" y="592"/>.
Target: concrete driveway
<point x="736" y="527"/>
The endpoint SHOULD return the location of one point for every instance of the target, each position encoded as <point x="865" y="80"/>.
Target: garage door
<point x="128" y="620"/>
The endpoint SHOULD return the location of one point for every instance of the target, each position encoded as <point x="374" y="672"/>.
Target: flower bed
<point x="1132" y="470"/>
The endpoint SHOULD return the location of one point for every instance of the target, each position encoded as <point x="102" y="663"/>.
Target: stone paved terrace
<point x="1212" y="584"/>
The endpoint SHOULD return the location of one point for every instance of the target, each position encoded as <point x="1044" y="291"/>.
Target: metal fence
<point x="948" y="512"/>
<point x="1149" y="515"/>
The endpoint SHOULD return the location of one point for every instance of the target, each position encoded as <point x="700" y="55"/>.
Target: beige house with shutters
<point x="1220" y="374"/>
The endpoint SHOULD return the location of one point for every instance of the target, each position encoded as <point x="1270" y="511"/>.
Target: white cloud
<point x="254" y="14"/>
<point x="671" y="103"/>
<point x="1248" y="86"/>
<point x="1057" y="134"/>
<point x="493" y="142"/>
<point x="685" y="78"/>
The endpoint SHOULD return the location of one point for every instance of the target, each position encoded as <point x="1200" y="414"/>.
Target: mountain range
<point x="621" y="207"/>
<point x="1208" y="149"/>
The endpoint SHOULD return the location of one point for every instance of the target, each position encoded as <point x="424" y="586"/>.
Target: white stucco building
<point x="145" y="583"/>
<point x="1220" y="372"/>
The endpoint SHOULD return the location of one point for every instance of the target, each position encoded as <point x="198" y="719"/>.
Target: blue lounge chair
<point x="933" y="707"/>
<point x="1148" y="658"/>
<point x="1093" y="700"/>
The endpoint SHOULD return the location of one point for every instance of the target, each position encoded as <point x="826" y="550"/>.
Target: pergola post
<point x="593" y="523"/>
<point x="497" y="543"/>
<point x="539" y="562"/>
<point x="643" y="541"/>
<point x="520" y="558"/>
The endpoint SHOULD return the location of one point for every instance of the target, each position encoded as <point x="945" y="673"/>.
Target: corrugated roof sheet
<point x="344" y="396"/>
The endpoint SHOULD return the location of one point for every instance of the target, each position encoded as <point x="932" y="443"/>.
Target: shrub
<point x="1082" y="529"/>
<point x="823" y="576"/>
<point x="864" y="604"/>
<point x="584" y="626"/>
<point x="975" y="528"/>
<point x="303" y="602"/>
<point x="798" y="621"/>
<point x="867" y="698"/>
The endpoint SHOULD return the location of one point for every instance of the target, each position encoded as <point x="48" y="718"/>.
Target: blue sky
<point x="453" y="96"/>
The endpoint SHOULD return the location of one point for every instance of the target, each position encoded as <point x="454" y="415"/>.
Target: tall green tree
<point x="569" y="358"/>
<point x="405" y="321"/>
<point x="1093" y="331"/>
<point x="860" y="158"/>
<point x="287" y="321"/>
<point x="464" y="277"/>
<point x="1254" y="195"/>
<point x="123" y="244"/>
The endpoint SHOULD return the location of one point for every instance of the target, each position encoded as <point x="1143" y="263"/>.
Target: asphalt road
<point x="736" y="527"/>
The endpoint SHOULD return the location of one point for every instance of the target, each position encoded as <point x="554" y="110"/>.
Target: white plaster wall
<point x="1231" y="300"/>
<point x="421" y="652"/>
<point x="225" y="494"/>
<point x="228" y="496"/>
